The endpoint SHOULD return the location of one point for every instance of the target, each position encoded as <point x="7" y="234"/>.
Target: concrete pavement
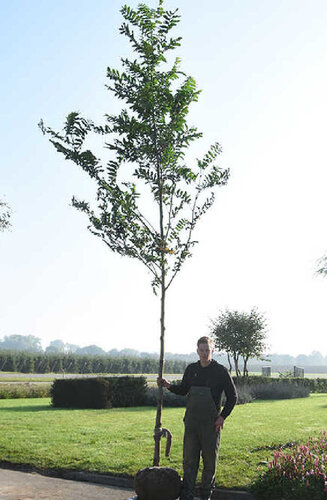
<point x="28" y="485"/>
<point x="16" y="485"/>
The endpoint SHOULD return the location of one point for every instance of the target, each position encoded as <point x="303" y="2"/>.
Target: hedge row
<point x="57" y="363"/>
<point x="99" y="392"/>
<point x="317" y="385"/>
<point x="173" y="400"/>
<point x="118" y="392"/>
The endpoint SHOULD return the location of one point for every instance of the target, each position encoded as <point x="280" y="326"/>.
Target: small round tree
<point x="240" y="334"/>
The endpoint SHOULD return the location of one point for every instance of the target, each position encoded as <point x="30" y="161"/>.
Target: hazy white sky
<point x="262" y="65"/>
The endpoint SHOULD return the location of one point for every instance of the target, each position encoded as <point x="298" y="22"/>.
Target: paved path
<point x="15" y="485"/>
<point x="18" y="485"/>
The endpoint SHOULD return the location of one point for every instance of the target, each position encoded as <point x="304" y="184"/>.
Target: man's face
<point x="205" y="352"/>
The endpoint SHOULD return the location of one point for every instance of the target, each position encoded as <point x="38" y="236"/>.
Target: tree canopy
<point x="147" y="141"/>
<point x="21" y="343"/>
<point x="240" y="334"/>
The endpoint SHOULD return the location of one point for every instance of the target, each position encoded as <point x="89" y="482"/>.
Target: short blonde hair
<point x="205" y="340"/>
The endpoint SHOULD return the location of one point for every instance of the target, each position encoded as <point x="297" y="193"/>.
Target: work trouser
<point x="200" y="437"/>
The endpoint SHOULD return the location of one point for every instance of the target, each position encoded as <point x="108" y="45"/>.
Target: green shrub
<point x="278" y="391"/>
<point x="244" y="395"/>
<point x="174" y="400"/>
<point x="320" y="385"/>
<point x="315" y="385"/>
<point x="298" y="474"/>
<point x="127" y="391"/>
<point x="24" y="390"/>
<point x="80" y="393"/>
<point x="99" y="392"/>
<point x="170" y="400"/>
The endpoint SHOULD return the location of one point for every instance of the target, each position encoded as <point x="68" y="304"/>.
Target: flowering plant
<point x="297" y="474"/>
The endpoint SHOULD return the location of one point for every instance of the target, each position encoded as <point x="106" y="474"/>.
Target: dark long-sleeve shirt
<point x="215" y="376"/>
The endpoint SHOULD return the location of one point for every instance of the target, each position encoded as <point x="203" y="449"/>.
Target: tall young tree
<point x="147" y="141"/>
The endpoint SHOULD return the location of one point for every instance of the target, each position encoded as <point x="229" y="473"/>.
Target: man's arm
<point x="182" y="388"/>
<point x="231" y="395"/>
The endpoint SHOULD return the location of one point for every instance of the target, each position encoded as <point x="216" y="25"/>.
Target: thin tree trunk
<point x="245" y="368"/>
<point x="157" y="429"/>
<point x="230" y="363"/>
<point x="238" y="373"/>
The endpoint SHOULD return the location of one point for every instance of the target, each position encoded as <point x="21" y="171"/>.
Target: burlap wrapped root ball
<point x="157" y="483"/>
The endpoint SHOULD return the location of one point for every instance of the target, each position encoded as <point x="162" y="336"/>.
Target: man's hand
<point x="162" y="382"/>
<point x="219" y="423"/>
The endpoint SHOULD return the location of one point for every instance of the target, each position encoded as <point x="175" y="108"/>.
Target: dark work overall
<point x="200" y="437"/>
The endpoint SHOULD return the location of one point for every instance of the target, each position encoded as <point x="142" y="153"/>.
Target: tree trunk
<point x="245" y="367"/>
<point x="237" y="370"/>
<point x="230" y="363"/>
<point x="157" y="429"/>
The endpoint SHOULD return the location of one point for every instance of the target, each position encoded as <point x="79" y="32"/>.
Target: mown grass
<point x="119" y="441"/>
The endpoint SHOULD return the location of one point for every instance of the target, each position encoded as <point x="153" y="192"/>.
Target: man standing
<point x="203" y="382"/>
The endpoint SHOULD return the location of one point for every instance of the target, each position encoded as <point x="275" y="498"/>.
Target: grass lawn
<point x="119" y="441"/>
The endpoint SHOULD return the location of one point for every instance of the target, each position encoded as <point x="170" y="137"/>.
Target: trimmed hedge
<point x="99" y="392"/>
<point x="244" y="395"/>
<point x="170" y="400"/>
<point x="118" y="392"/>
<point x="316" y="385"/>
<point x="278" y="391"/>
<point x="80" y="393"/>
<point x="174" y="400"/>
<point x="127" y="391"/>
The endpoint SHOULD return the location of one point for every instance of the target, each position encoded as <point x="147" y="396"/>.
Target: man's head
<point x="205" y="350"/>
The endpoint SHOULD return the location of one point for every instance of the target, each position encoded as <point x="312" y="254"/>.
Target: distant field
<point x="306" y="375"/>
<point x="49" y="377"/>
<point x="151" y="377"/>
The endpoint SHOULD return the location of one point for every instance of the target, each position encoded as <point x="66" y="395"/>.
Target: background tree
<point x="21" y="343"/>
<point x="322" y="266"/>
<point x="315" y="358"/>
<point x="240" y="334"/>
<point x="92" y="350"/>
<point x="149" y="198"/>
<point x="71" y="348"/>
<point x="5" y="214"/>
<point x="56" y="346"/>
